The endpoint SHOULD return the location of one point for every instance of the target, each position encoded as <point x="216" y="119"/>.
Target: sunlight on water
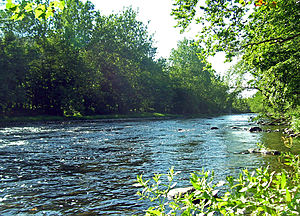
<point x="14" y="143"/>
<point x="89" y="167"/>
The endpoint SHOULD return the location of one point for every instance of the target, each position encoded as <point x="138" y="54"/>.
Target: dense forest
<point x="80" y="62"/>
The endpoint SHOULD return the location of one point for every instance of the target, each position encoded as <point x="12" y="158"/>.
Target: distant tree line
<point x="82" y="62"/>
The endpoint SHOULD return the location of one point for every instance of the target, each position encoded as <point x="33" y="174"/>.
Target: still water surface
<point x="89" y="167"/>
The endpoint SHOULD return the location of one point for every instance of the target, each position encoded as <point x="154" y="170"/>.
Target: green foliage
<point x="261" y="192"/>
<point x="42" y="11"/>
<point x="12" y="74"/>
<point x="295" y="124"/>
<point x="196" y="88"/>
<point x="256" y="103"/>
<point x="241" y="105"/>
<point x="264" y="33"/>
<point x="76" y="62"/>
<point x="157" y="191"/>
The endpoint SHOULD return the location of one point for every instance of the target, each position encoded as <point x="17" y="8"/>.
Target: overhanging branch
<point x="273" y="41"/>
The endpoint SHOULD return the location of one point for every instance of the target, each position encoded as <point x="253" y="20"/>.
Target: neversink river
<point x="89" y="167"/>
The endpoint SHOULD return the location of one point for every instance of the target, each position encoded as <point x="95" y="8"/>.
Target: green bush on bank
<point x="261" y="192"/>
<point x="295" y="121"/>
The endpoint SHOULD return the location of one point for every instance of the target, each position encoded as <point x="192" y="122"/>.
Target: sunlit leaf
<point x="20" y="16"/>
<point x="288" y="196"/>
<point x="242" y="2"/>
<point x="29" y="7"/>
<point x="61" y="4"/>
<point x="9" y="4"/>
<point x="283" y="180"/>
<point x="154" y="212"/>
<point x="243" y="190"/>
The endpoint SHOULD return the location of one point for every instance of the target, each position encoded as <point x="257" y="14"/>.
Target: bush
<point x="296" y="124"/>
<point x="260" y="192"/>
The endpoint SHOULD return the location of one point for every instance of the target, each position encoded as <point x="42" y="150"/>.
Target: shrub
<point x="260" y="192"/>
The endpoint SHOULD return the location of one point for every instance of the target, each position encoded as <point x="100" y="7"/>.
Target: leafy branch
<point x="261" y="192"/>
<point x="273" y="40"/>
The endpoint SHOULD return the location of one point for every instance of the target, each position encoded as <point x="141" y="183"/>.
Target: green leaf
<point x="15" y="17"/>
<point x="283" y="180"/>
<point x="38" y="14"/>
<point x="242" y="2"/>
<point x="61" y="4"/>
<point x="28" y="7"/>
<point x="14" y="8"/>
<point x="243" y="190"/>
<point x="221" y="204"/>
<point x="154" y="212"/>
<point x="223" y="212"/>
<point x="288" y="196"/>
<point x="48" y="14"/>
<point x="20" y="16"/>
<point x="8" y="4"/>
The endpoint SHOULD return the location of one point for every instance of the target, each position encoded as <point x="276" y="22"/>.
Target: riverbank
<point x="92" y="117"/>
<point x="37" y="118"/>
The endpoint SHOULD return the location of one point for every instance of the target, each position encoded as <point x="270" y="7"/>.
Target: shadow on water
<point x="89" y="167"/>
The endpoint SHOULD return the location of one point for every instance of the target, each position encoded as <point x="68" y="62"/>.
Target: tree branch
<point x="273" y="40"/>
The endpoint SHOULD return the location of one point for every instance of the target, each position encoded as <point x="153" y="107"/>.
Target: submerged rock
<point x="261" y="151"/>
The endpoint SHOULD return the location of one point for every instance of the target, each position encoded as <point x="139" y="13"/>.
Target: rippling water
<point x="89" y="167"/>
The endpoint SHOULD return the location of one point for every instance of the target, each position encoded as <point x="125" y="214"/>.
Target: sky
<point x="161" y="24"/>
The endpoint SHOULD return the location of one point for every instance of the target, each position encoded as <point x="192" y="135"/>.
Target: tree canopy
<point x="266" y="35"/>
<point x="76" y="61"/>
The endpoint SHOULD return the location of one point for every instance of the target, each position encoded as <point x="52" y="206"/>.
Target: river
<point x="89" y="167"/>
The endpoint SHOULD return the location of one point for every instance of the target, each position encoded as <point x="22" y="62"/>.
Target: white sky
<point x="161" y="24"/>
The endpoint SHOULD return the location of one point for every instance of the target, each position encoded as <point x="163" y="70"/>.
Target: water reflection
<point x="88" y="167"/>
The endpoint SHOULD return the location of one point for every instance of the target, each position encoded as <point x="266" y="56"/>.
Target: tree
<point x="12" y="74"/>
<point x="121" y="51"/>
<point x="265" y="33"/>
<point x="56" y="78"/>
<point x="196" y="88"/>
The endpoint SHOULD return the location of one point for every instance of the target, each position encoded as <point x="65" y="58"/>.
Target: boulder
<point x="294" y="135"/>
<point x="179" y="192"/>
<point x="288" y="131"/>
<point x="255" y="129"/>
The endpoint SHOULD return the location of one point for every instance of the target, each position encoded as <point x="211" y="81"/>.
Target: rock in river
<point x="179" y="192"/>
<point x="255" y="129"/>
<point x="261" y="151"/>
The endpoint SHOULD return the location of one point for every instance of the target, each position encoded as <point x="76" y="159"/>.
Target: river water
<point x="89" y="167"/>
